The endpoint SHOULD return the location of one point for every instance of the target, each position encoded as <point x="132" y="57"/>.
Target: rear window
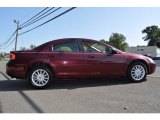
<point x="40" y="47"/>
<point x="69" y="46"/>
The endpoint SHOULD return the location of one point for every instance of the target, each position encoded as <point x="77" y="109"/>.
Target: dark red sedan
<point x="76" y="58"/>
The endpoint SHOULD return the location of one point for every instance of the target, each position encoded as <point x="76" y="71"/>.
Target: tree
<point x="158" y="44"/>
<point x="118" y="41"/>
<point x="104" y="41"/>
<point x="152" y="35"/>
<point x="23" y="48"/>
<point x="32" y="46"/>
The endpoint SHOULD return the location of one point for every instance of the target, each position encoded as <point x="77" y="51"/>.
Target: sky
<point x="83" y="22"/>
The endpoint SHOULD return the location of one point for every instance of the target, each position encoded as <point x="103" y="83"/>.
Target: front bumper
<point x="152" y="67"/>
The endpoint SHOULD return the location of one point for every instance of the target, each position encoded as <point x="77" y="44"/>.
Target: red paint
<point x="75" y="64"/>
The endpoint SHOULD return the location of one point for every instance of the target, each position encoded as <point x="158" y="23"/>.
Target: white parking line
<point x="157" y="68"/>
<point x="153" y="76"/>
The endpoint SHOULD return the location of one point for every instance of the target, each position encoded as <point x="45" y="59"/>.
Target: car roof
<point x="63" y="39"/>
<point x="43" y="46"/>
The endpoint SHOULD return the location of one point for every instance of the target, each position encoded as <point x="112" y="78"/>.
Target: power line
<point x="8" y="39"/>
<point x="34" y="16"/>
<point x="41" y="18"/>
<point x="30" y="13"/>
<point x="36" y="26"/>
<point x="9" y="44"/>
<point x="36" y="19"/>
<point x="49" y="20"/>
<point x="30" y="22"/>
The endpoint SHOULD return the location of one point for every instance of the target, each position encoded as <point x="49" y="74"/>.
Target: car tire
<point x="40" y="77"/>
<point x="137" y="72"/>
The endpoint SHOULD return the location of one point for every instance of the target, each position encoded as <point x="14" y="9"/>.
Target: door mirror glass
<point x="114" y="51"/>
<point x="109" y="50"/>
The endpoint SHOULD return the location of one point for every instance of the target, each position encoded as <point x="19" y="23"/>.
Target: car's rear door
<point x="67" y="60"/>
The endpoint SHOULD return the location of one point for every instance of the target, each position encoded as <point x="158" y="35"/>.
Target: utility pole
<point x="17" y="22"/>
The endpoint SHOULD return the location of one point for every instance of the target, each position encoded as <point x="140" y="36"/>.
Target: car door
<point x="99" y="60"/>
<point x="67" y="59"/>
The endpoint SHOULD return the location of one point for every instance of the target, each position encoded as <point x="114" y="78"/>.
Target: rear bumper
<point x="152" y="67"/>
<point x="15" y="70"/>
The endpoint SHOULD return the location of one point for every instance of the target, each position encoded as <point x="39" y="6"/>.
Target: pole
<point x="17" y="22"/>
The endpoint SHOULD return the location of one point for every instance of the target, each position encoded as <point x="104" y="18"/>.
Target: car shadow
<point x="83" y="83"/>
<point x="0" y="108"/>
<point x="23" y="85"/>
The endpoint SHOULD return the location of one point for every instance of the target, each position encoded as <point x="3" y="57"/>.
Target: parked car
<point x="76" y="58"/>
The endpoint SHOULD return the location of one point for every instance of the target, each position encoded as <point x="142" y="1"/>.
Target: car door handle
<point x="91" y="56"/>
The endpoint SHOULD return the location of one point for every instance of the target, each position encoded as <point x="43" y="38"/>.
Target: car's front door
<point x="99" y="60"/>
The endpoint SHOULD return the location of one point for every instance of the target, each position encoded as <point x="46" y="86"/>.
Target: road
<point x="80" y="96"/>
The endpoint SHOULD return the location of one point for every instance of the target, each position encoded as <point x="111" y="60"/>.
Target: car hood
<point x="133" y="55"/>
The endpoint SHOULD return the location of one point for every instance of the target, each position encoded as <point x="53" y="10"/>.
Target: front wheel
<point x="137" y="72"/>
<point x="40" y="77"/>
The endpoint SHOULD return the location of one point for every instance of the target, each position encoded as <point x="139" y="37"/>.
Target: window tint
<point x="69" y="46"/>
<point x="95" y="47"/>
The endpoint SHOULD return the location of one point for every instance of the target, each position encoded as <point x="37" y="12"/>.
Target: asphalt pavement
<point x="81" y="96"/>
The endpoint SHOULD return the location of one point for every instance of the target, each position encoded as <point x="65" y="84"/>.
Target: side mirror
<point x="114" y="51"/>
<point x="111" y="51"/>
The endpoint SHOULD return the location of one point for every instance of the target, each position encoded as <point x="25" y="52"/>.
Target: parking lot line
<point x="153" y="76"/>
<point x="157" y="68"/>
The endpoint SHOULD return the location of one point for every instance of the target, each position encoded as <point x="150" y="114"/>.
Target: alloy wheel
<point x="138" y="72"/>
<point x="40" y="77"/>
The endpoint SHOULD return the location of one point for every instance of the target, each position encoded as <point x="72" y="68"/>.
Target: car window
<point x="69" y="46"/>
<point x="95" y="47"/>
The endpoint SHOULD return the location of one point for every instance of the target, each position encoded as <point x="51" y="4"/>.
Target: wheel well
<point x="33" y="65"/>
<point x="142" y="61"/>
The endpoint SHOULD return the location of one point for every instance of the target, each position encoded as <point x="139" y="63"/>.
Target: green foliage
<point x="1" y="56"/>
<point x="4" y="55"/>
<point x="117" y="40"/>
<point x="158" y="44"/>
<point x="24" y="48"/>
<point x="32" y="46"/>
<point x="152" y="35"/>
<point x="103" y="40"/>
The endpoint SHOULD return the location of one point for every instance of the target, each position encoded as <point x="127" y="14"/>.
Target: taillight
<point x="12" y="56"/>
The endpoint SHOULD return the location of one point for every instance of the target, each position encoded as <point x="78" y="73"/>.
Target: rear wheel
<point x="137" y="72"/>
<point x="40" y="77"/>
